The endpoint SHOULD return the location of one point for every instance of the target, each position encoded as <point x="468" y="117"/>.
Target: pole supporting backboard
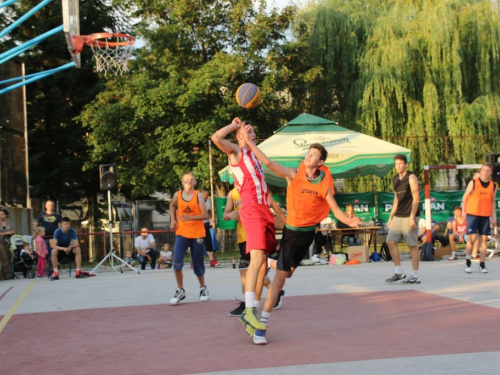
<point x="71" y="27"/>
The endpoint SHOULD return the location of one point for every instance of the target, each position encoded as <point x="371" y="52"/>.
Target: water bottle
<point x="234" y="263"/>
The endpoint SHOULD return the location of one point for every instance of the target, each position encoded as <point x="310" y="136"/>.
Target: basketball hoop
<point x="111" y="50"/>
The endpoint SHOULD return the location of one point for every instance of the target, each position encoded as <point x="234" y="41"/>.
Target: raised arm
<point x="287" y="173"/>
<point x="337" y="212"/>
<point x="219" y="138"/>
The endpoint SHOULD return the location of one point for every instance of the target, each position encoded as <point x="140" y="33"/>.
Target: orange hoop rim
<point x="93" y="39"/>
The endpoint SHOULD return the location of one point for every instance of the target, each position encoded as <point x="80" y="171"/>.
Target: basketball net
<point x="111" y="51"/>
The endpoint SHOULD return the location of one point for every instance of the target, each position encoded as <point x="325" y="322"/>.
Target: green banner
<point x="220" y="203"/>
<point x="442" y="204"/>
<point x="363" y="204"/>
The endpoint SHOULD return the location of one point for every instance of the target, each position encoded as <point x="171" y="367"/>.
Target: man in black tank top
<point x="403" y="221"/>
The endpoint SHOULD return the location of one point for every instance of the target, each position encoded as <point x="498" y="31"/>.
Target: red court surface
<point x="202" y="337"/>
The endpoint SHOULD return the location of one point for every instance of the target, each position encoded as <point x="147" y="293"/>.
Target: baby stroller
<point x="21" y="263"/>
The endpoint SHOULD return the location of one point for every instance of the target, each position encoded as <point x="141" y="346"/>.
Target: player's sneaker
<point x="411" y="280"/>
<point x="250" y="330"/>
<point x="259" y="337"/>
<point x="453" y="257"/>
<point x="279" y="301"/>
<point x="204" y="294"/>
<point x="54" y="277"/>
<point x="483" y="269"/>
<point x="396" y="277"/>
<point x="467" y="266"/>
<point x="239" y="310"/>
<point x="80" y="275"/>
<point x="179" y="295"/>
<point x="250" y="317"/>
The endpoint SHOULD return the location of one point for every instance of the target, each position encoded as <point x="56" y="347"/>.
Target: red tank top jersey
<point x="305" y="201"/>
<point x="249" y="177"/>
<point x="189" y="229"/>
<point x="479" y="201"/>
<point x="461" y="228"/>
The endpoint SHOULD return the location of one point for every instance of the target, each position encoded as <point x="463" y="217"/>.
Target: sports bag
<point x="427" y="252"/>
<point x="385" y="254"/>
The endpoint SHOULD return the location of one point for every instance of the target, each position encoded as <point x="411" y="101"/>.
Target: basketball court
<point x="342" y="319"/>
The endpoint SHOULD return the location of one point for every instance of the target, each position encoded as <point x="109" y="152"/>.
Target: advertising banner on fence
<point x="363" y="204"/>
<point x="442" y="204"/>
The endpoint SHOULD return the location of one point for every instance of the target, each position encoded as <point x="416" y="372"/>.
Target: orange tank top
<point x="479" y="201"/>
<point x="235" y="195"/>
<point x="189" y="229"/>
<point x="305" y="201"/>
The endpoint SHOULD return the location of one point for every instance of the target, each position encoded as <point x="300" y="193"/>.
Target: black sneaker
<point x="396" y="277"/>
<point x="55" y="277"/>
<point x="239" y="310"/>
<point x="279" y="301"/>
<point x="80" y="275"/>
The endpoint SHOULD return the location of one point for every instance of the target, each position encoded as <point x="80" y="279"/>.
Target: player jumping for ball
<point x="255" y="215"/>
<point x="309" y="197"/>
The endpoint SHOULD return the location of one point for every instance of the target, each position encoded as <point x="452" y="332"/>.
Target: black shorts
<point x="61" y="254"/>
<point x="244" y="257"/>
<point x="294" y="246"/>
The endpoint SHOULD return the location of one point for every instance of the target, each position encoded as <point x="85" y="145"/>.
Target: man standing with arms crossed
<point x="403" y="221"/>
<point x="478" y="205"/>
<point x="255" y="215"/>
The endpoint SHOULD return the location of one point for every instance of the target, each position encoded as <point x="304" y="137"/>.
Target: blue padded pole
<point x="13" y="52"/>
<point x="7" y="3"/>
<point x="8" y="29"/>
<point x="38" y="76"/>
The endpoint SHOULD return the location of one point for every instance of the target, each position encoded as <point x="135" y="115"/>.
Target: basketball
<point x="248" y="95"/>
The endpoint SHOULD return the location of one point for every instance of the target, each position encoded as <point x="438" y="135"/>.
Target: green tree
<point x="412" y="69"/>
<point x="57" y="146"/>
<point x="155" y="122"/>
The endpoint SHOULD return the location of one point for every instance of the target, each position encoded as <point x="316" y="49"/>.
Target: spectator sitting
<point x="351" y="239"/>
<point x="165" y="259"/>
<point x="28" y="257"/>
<point x="66" y="245"/>
<point x="128" y="258"/>
<point x="458" y="233"/>
<point x="146" y="249"/>
<point x="434" y="232"/>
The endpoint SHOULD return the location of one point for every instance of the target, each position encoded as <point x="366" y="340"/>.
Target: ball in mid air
<point x="248" y="95"/>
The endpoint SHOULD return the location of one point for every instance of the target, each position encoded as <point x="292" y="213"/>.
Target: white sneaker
<point x="315" y="258"/>
<point x="259" y="337"/>
<point x="204" y="294"/>
<point x="179" y="295"/>
<point x="483" y="269"/>
<point x="467" y="268"/>
<point x="453" y="257"/>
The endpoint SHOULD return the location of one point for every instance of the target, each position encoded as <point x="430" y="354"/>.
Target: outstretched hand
<point x="245" y="132"/>
<point x="354" y="222"/>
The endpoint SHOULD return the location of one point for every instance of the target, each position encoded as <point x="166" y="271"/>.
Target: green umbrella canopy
<point x="349" y="153"/>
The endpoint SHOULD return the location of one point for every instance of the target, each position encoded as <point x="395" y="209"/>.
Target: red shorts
<point x="258" y="222"/>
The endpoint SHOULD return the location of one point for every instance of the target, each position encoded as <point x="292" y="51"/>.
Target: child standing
<point x="41" y="250"/>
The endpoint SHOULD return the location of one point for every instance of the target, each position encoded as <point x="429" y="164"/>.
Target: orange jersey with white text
<point x="479" y="201"/>
<point x="192" y="228"/>
<point x="306" y="202"/>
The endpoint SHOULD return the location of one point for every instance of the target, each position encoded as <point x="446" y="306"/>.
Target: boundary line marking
<point x="16" y="305"/>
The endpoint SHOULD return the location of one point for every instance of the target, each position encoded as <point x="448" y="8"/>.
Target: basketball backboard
<point x="71" y="26"/>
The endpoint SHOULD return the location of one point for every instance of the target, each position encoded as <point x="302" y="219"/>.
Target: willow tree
<point x="411" y="72"/>
<point x="431" y="68"/>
